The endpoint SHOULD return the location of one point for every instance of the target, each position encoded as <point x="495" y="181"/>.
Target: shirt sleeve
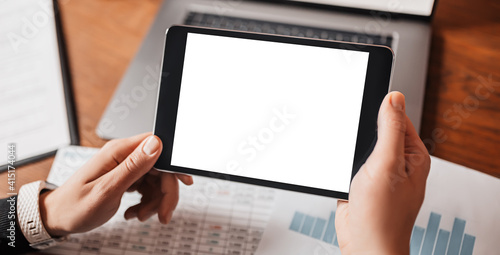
<point x="12" y="240"/>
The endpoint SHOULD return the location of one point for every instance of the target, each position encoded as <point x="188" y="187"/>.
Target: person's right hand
<point x="92" y="195"/>
<point x="387" y="192"/>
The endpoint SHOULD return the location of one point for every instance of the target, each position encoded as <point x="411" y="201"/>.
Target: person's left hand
<point x="92" y="195"/>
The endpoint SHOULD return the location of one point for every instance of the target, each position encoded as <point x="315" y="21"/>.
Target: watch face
<point x="49" y="186"/>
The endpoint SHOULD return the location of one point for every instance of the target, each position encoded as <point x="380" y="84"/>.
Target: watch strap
<point x="30" y="221"/>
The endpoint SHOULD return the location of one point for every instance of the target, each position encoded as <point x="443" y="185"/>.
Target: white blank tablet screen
<point x="273" y="111"/>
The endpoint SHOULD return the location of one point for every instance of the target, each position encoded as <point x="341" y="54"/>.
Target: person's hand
<point x="387" y="192"/>
<point x="92" y="195"/>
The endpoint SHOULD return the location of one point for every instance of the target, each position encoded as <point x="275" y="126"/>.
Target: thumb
<point x="342" y="221"/>
<point x="137" y="164"/>
<point x="391" y="125"/>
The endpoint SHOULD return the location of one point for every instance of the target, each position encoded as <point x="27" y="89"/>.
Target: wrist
<point x="48" y="208"/>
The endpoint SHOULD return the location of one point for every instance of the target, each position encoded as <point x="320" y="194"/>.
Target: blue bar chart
<point x="315" y="227"/>
<point x="424" y="241"/>
<point x="432" y="240"/>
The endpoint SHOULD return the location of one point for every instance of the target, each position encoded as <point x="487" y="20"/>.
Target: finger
<point x="341" y="221"/>
<point x="186" y="179"/>
<point x="136" y="185"/>
<point x="154" y="172"/>
<point x="170" y="189"/>
<point x="137" y="164"/>
<point x="165" y="219"/>
<point x="110" y="155"/>
<point x="391" y="125"/>
<point x="341" y="204"/>
<point x="166" y="209"/>
<point x="169" y="183"/>
<point x="149" y="194"/>
<point x="132" y="211"/>
<point x="341" y="213"/>
<point x="387" y="158"/>
<point x="413" y="143"/>
<point x="149" y="209"/>
<point x="416" y="155"/>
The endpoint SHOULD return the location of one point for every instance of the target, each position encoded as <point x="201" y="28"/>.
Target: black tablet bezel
<point x="376" y="87"/>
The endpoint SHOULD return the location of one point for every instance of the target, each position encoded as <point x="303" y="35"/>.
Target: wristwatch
<point x="28" y="213"/>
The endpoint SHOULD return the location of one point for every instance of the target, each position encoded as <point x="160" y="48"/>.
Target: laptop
<point x="403" y="25"/>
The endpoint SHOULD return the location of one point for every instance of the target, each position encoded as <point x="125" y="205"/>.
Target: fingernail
<point x="169" y="217"/>
<point x="151" y="146"/>
<point x="398" y="101"/>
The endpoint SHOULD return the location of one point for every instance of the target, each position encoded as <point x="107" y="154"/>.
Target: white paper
<point x="213" y="216"/>
<point x="32" y="106"/>
<point x="453" y="192"/>
<point x="279" y="239"/>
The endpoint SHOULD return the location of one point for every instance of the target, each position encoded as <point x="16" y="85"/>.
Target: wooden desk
<point x="461" y="121"/>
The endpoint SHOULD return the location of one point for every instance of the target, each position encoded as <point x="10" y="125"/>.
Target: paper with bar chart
<point x="431" y="240"/>
<point x="315" y="227"/>
<point x="301" y="224"/>
<point x="459" y="217"/>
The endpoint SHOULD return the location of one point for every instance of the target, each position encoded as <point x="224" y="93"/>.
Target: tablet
<point x="284" y="112"/>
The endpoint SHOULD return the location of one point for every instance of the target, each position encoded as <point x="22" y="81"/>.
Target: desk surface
<point x="461" y="121"/>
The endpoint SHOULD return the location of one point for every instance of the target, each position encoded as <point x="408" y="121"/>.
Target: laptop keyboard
<point x="251" y="25"/>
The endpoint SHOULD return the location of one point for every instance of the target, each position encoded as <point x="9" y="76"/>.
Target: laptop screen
<point x="420" y="7"/>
